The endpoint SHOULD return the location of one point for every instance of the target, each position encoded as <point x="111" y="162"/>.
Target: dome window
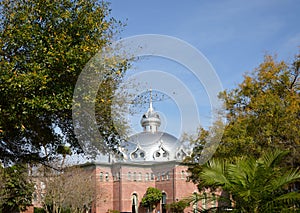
<point x="142" y="154"/>
<point x="161" y="154"/>
<point x="138" y="154"/>
<point x="180" y="155"/>
<point x="134" y="155"/>
<point x="165" y="154"/>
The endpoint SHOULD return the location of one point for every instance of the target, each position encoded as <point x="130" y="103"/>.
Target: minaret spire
<point x="150" y="120"/>
<point x="150" y="103"/>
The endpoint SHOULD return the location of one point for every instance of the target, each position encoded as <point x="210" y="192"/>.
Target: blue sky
<point x="234" y="35"/>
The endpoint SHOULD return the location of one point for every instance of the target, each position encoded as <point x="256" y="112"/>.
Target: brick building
<point x="148" y="159"/>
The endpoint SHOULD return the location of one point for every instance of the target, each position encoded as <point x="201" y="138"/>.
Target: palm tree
<point x="254" y="185"/>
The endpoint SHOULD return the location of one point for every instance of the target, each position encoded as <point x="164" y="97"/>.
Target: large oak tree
<point x="44" y="46"/>
<point x="264" y="111"/>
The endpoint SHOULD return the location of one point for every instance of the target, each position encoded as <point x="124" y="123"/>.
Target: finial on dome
<point x="150" y="102"/>
<point x="150" y="120"/>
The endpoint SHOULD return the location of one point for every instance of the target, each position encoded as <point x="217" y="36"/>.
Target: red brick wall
<point x="118" y="192"/>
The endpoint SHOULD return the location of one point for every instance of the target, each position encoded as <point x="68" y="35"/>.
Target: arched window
<point x="129" y="176"/>
<point x="152" y="176"/>
<point x="164" y="203"/>
<point x="161" y="154"/>
<point x="134" y="208"/>
<point x="158" y="176"/>
<point x="101" y="176"/>
<point x="182" y="174"/>
<point x="134" y="176"/>
<point x="167" y="176"/>
<point x="138" y="154"/>
<point x="140" y="176"/>
<point x="147" y="176"/>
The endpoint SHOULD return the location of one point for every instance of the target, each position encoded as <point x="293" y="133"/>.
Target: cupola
<point x="150" y="120"/>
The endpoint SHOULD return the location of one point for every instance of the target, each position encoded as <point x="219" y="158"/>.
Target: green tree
<point x="15" y="189"/>
<point x="151" y="198"/>
<point x="255" y="185"/>
<point x="261" y="113"/>
<point x="44" y="46"/>
<point x="178" y="207"/>
<point x="264" y="111"/>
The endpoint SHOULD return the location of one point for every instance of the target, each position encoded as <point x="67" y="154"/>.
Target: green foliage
<point x="38" y="210"/>
<point x="263" y="111"/>
<point x="113" y="211"/>
<point x="256" y="185"/>
<point x="15" y="189"/>
<point x="152" y="197"/>
<point x="178" y="207"/>
<point x="44" y="46"/>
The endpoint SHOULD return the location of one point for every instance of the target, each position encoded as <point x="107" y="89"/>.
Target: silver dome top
<point x="150" y="120"/>
<point x="151" y="144"/>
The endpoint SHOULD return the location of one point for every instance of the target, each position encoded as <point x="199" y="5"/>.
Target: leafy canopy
<point x="263" y="111"/>
<point x="178" y="207"/>
<point x="44" y="46"/>
<point x="15" y="188"/>
<point x="152" y="197"/>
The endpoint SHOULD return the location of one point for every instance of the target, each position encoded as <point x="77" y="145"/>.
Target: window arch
<point x="158" y="176"/>
<point x="167" y="176"/>
<point x="164" y="203"/>
<point x="182" y="174"/>
<point x="106" y="176"/>
<point x="101" y="176"/>
<point x="180" y="155"/>
<point x="152" y="176"/>
<point x="161" y="154"/>
<point x="138" y="154"/>
<point x="134" y="205"/>
<point x="129" y="176"/>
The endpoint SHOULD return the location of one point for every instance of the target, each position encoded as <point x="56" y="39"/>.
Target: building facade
<point x="148" y="159"/>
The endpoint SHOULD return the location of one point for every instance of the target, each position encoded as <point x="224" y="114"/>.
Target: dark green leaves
<point x="44" y="46"/>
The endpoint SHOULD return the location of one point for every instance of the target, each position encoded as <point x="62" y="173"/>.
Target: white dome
<point x="151" y="144"/>
<point x="158" y="146"/>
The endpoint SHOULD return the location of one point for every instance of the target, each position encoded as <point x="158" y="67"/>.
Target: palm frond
<point x="286" y="202"/>
<point x="285" y="179"/>
<point x="271" y="159"/>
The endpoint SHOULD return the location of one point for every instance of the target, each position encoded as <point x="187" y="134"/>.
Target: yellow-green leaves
<point x="264" y="108"/>
<point x="44" y="46"/>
